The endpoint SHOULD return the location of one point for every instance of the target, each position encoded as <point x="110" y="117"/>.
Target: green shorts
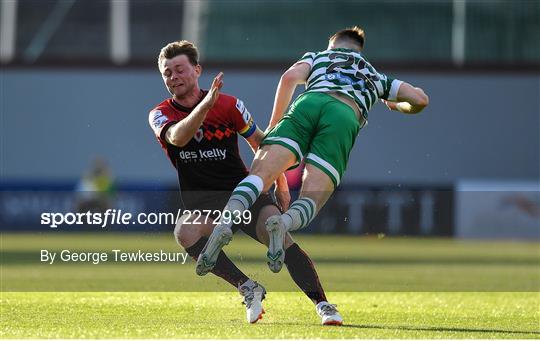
<point x="320" y="129"/>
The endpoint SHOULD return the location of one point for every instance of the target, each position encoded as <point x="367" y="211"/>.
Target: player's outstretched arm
<point x="180" y="133"/>
<point x="296" y="74"/>
<point x="410" y="100"/>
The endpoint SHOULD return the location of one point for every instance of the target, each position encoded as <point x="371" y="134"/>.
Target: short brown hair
<point x="177" y="48"/>
<point x="354" y="34"/>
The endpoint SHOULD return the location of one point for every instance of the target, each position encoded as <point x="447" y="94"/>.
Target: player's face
<point x="180" y="76"/>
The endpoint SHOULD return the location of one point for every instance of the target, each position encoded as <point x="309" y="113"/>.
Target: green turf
<point x="385" y="288"/>
<point x="345" y="263"/>
<point x="289" y="315"/>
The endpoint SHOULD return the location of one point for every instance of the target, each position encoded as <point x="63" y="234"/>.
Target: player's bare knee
<point x="177" y="233"/>
<point x="185" y="233"/>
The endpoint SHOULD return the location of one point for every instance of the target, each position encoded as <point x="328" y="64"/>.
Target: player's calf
<point x="242" y="198"/>
<point x="300" y="214"/>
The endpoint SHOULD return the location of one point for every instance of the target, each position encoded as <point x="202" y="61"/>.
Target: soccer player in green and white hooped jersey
<point x="355" y="78"/>
<point x="320" y="127"/>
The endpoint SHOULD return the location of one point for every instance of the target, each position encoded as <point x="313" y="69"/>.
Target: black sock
<point x="224" y="267"/>
<point x="303" y="273"/>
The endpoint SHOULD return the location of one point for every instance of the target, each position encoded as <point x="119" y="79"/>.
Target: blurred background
<point x="78" y="78"/>
<point x="456" y="187"/>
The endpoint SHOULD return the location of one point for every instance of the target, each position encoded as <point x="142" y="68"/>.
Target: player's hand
<point x="282" y="193"/>
<point x="390" y="105"/>
<point x="213" y="94"/>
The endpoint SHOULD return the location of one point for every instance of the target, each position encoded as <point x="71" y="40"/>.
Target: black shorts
<point x="251" y="229"/>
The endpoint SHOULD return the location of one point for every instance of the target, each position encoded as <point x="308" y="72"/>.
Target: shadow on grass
<point x="440" y="329"/>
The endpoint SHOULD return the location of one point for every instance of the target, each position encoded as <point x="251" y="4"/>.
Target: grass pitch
<point x="384" y="288"/>
<point x="288" y="315"/>
<point x="344" y="263"/>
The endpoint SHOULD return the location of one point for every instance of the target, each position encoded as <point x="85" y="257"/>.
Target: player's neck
<point x="190" y="100"/>
<point x="344" y="46"/>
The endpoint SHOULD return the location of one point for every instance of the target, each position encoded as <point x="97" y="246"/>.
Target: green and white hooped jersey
<point x="347" y="72"/>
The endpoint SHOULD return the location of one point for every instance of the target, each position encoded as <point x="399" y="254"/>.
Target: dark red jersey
<point x="210" y="161"/>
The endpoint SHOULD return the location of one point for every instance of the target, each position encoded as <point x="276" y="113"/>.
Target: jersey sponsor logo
<point x="339" y="77"/>
<point x="240" y="105"/>
<point x="198" y="135"/>
<point x="365" y="81"/>
<point x="187" y="155"/>
<point x="213" y="154"/>
<point x="158" y="119"/>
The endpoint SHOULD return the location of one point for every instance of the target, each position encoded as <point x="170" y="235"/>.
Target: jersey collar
<point x="186" y="109"/>
<point x="344" y="50"/>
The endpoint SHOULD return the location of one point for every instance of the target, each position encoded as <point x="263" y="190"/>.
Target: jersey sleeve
<point x="390" y="87"/>
<point x="242" y="120"/>
<point x="159" y="122"/>
<point x="307" y="58"/>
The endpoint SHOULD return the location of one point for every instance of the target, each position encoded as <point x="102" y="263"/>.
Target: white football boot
<point x="329" y="314"/>
<point x="276" y="231"/>
<point x="220" y="237"/>
<point x="253" y="294"/>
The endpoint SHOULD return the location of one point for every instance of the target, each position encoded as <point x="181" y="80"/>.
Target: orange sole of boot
<point x="260" y="316"/>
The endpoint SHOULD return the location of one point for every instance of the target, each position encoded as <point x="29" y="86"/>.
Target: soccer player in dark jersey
<point x="198" y="130"/>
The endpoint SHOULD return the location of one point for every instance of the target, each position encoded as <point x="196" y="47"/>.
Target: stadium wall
<point x="55" y="121"/>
